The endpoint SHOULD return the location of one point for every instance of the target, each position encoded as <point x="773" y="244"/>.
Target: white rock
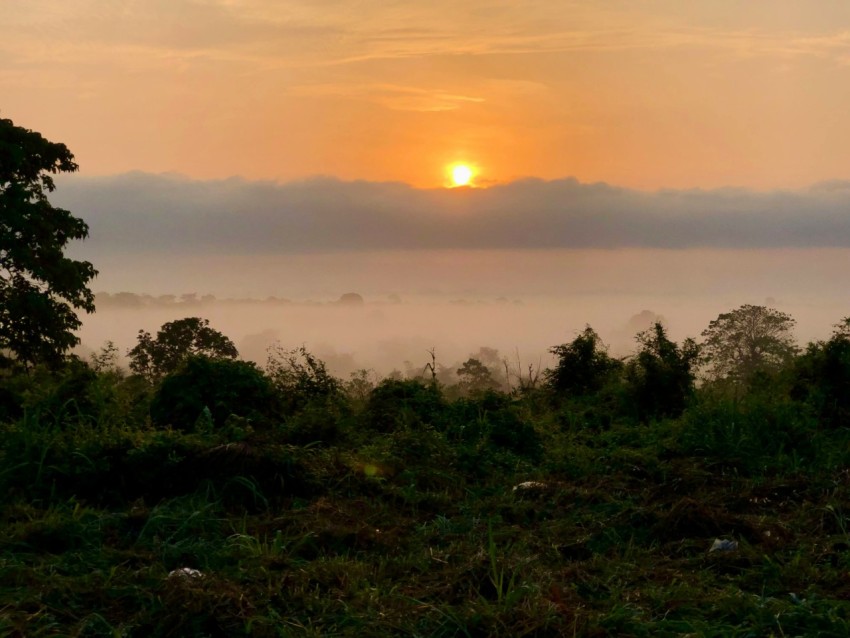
<point x="185" y="572"/>
<point x="723" y="545"/>
<point x="530" y="485"/>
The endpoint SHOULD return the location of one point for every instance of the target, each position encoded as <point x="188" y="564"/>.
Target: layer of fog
<point x="519" y="302"/>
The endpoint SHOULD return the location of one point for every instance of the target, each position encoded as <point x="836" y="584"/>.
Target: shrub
<point x="492" y="419"/>
<point x="661" y="376"/>
<point x="300" y="378"/>
<point x="394" y="403"/>
<point x="752" y="434"/>
<point x="222" y="386"/>
<point x="821" y="377"/>
<point x="583" y="365"/>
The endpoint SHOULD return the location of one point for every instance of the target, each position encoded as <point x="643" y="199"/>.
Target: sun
<point x="461" y="175"/>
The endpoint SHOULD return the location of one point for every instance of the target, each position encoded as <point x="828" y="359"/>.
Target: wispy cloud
<point x="402" y="98"/>
<point x="315" y="34"/>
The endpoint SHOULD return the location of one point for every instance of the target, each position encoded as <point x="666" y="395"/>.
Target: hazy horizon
<point x="386" y="334"/>
<point x="527" y="264"/>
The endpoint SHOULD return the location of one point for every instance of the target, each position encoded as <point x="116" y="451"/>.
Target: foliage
<point x="397" y="403"/>
<point x="583" y="365"/>
<point x="360" y="385"/>
<point x="752" y="339"/>
<point x="475" y="377"/>
<point x="106" y="359"/>
<point x="398" y="510"/>
<point x="40" y="288"/>
<point x="841" y="330"/>
<point x="661" y="376"/>
<point x="490" y="422"/>
<point x="220" y="386"/>
<point x="821" y="377"/>
<point x="175" y="342"/>
<point x="300" y="377"/>
<point x="753" y="434"/>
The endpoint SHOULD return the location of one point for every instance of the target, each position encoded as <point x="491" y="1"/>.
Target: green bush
<point x="752" y="434"/>
<point x="490" y="432"/>
<point x="821" y="377"/>
<point x="322" y="420"/>
<point x="221" y="386"/>
<point x="300" y="378"/>
<point x="583" y="367"/>
<point x="394" y="404"/>
<point x="660" y="378"/>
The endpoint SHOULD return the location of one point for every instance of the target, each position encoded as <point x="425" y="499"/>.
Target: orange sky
<point x="651" y="94"/>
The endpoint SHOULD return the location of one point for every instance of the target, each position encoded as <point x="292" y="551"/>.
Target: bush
<point x="396" y="403"/>
<point x="753" y="434"/>
<point x="491" y="420"/>
<point x="821" y="377"/>
<point x="318" y="421"/>
<point x="221" y="386"/>
<point x="583" y="366"/>
<point x="661" y="377"/>
<point x="300" y="378"/>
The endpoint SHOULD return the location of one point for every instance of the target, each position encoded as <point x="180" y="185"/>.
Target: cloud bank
<point x="138" y="213"/>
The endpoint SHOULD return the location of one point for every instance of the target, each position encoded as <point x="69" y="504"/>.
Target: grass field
<point x="411" y="519"/>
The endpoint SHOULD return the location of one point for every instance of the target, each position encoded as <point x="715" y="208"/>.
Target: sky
<point x="679" y="157"/>
<point x="644" y="94"/>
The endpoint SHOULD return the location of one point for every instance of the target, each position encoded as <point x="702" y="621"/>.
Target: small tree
<point x="750" y="340"/>
<point x="300" y="377"/>
<point x="40" y="288"/>
<point x="661" y="375"/>
<point x="583" y="365"/>
<point x="475" y="377"/>
<point x="174" y="343"/>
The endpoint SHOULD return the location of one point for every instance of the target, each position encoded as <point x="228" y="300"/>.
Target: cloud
<point x="396" y="97"/>
<point x="272" y="36"/>
<point x="138" y="213"/>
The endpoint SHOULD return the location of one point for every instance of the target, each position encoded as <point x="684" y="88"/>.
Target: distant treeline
<point x="191" y="299"/>
<point x="186" y="300"/>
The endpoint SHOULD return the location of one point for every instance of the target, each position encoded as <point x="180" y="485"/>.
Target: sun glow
<point x="461" y="175"/>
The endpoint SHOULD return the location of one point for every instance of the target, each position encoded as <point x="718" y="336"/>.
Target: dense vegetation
<point x="584" y="501"/>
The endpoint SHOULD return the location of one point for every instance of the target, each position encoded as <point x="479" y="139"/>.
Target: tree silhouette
<point x="40" y="287"/>
<point x="583" y="365"/>
<point x="175" y="342"/>
<point x="475" y="377"/>
<point x="661" y="375"/>
<point x="746" y="341"/>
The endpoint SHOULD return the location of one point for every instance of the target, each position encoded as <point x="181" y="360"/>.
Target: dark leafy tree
<point x="661" y="376"/>
<point x="583" y="365"/>
<point x="40" y="288"/>
<point x="748" y="341"/>
<point x="821" y="377"/>
<point x="176" y="341"/>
